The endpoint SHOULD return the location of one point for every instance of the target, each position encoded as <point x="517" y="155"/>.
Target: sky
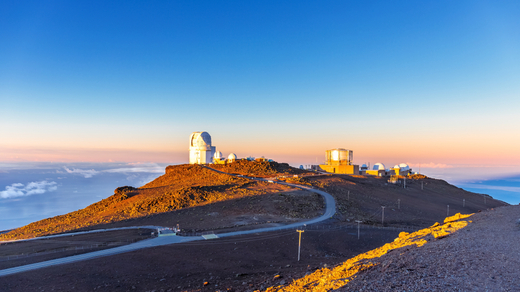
<point x="430" y="83"/>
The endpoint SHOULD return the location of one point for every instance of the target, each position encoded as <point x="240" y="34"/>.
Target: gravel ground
<point x="484" y="256"/>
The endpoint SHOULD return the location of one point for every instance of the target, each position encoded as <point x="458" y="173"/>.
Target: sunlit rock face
<point x="201" y="151"/>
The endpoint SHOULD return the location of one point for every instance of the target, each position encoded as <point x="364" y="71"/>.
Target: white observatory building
<point x="201" y="151"/>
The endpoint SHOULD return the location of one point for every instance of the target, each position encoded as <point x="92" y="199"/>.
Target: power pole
<point x="399" y="204"/>
<point x="422" y="186"/>
<point x="383" y="217"/>
<point x="463" y="203"/>
<point x="299" y="242"/>
<point x="348" y="196"/>
<point x="448" y="211"/>
<point x="358" y="221"/>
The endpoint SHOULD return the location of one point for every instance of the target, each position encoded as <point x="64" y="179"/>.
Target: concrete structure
<point x="378" y="170"/>
<point x="339" y="160"/>
<point x="201" y="151"/>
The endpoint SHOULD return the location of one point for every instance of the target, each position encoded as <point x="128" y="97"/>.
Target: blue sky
<point x="395" y="81"/>
<point x="431" y="83"/>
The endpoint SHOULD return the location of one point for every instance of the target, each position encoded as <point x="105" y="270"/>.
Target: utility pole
<point x="463" y="203"/>
<point x="484" y="200"/>
<point x="383" y="217"/>
<point x="299" y="242"/>
<point x="348" y="195"/>
<point x="448" y="211"/>
<point x="399" y="204"/>
<point x="358" y="221"/>
<point x="422" y="185"/>
<point x="404" y="183"/>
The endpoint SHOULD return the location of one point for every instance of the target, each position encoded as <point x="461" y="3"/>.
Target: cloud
<point x="32" y="188"/>
<point x="488" y="187"/>
<point x="150" y="169"/>
<point x="430" y="165"/>
<point x="141" y="168"/>
<point x="87" y="173"/>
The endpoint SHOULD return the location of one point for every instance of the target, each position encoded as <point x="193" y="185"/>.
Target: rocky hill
<point x="181" y="187"/>
<point x="200" y="199"/>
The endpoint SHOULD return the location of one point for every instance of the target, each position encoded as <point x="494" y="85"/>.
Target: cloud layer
<point x="87" y="173"/>
<point x="32" y="188"/>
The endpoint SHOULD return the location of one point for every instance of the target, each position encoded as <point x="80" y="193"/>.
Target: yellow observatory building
<point x="339" y="160"/>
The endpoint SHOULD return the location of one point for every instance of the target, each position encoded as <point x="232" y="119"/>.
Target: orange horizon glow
<point x="314" y="155"/>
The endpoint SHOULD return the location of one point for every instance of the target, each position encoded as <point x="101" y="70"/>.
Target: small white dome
<point x="379" y="166"/>
<point x="232" y="156"/>
<point x="397" y="166"/>
<point x="404" y="166"/>
<point x="218" y="155"/>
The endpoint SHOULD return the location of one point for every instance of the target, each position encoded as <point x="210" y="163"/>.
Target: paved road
<point x="85" y="232"/>
<point x="330" y="209"/>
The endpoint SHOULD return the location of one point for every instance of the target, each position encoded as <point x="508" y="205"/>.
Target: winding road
<point x="330" y="209"/>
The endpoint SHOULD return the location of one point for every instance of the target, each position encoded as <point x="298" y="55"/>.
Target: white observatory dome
<point x="218" y="155"/>
<point x="404" y="166"/>
<point x="397" y="166"/>
<point x="379" y="166"/>
<point x="201" y="151"/>
<point x="200" y="139"/>
<point x="232" y="157"/>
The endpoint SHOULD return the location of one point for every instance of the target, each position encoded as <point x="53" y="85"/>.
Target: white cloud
<point x="32" y="188"/>
<point x="132" y="168"/>
<point x="150" y="169"/>
<point x="429" y="165"/>
<point x="488" y="187"/>
<point x="87" y="173"/>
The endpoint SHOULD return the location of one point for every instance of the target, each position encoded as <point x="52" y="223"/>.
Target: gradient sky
<point x="435" y="83"/>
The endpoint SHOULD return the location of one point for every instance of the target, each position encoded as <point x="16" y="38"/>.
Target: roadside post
<point x="358" y="221"/>
<point x="299" y="242"/>
<point x="383" y="216"/>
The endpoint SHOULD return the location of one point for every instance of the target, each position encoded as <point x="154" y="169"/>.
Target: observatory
<point x="401" y="169"/>
<point x="232" y="157"/>
<point x="201" y="151"/>
<point x="378" y="170"/>
<point x="339" y="160"/>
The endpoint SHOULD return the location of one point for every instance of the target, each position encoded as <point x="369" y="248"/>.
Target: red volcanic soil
<point x="181" y="188"/>
<point x="200" y="199"/>
<point x="242" y="263"/>
<point x="259" y="168"/>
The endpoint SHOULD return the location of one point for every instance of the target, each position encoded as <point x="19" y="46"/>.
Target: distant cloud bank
<point x="88" y="173"/>
<point x="32" y="188"/>
<point x="430" y="165"/>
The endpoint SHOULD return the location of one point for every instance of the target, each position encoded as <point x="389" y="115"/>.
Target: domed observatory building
<point x="201" y="151"/>
<point x="378" y="170"/>
<point x="232" y="157"/>
<point x="402" y="169"/>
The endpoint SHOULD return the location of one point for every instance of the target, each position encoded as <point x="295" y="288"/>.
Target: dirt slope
<point x="423" y="202"/>
<point x="182" y="186"/>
